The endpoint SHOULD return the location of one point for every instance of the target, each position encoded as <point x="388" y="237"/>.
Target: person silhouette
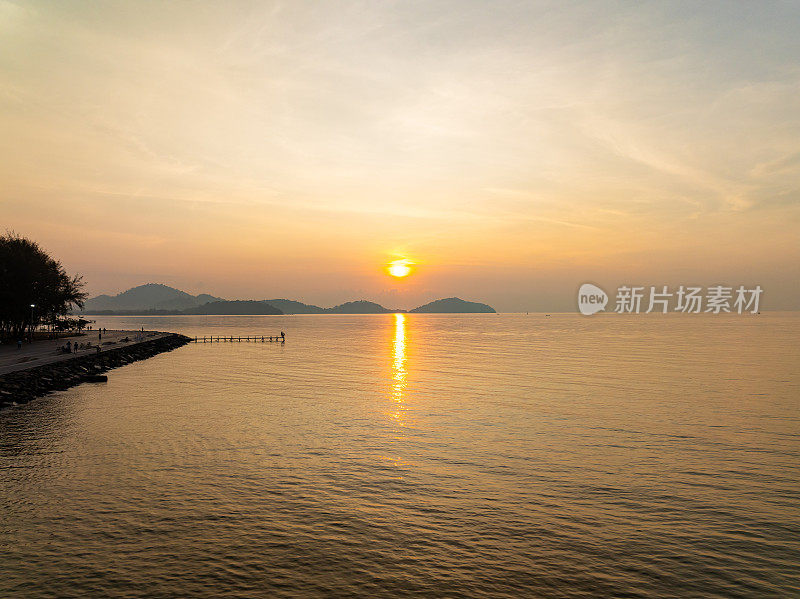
<point x="283" y="337"/>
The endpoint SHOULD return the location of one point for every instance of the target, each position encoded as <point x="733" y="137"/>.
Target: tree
<point x="29" y="276"/>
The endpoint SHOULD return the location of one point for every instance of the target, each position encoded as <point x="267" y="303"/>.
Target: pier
<point x="239" y="339"/>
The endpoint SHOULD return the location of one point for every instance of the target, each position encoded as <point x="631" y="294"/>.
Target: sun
<point x="400" y="268"/>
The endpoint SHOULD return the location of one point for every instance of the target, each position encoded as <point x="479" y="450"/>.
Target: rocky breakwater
<point x="22" y="386"/>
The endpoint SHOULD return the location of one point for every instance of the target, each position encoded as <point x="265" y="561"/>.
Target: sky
<point x="511" y="150"/>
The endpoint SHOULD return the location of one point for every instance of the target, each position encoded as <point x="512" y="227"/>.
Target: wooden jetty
<point x="239" y="339"/>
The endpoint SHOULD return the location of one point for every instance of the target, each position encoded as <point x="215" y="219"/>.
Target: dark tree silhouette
<point x="28" y="275"/>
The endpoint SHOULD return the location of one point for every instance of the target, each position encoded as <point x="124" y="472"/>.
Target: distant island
<point x="152" y="296"/>
<point x="223" y="307"/>
<point x="358" y="307"/>
<point x="453" y="305"/>
<point x="154" y="299"/>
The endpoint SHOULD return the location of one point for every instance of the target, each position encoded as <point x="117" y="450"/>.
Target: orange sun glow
<point x="400" y="268"/>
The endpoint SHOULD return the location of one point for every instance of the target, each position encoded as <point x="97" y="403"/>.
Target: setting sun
<point x="400" y="268"/>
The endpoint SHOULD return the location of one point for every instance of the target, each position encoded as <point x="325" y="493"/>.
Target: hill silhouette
<point x="152" y="296"/>
<point x="295" y="307"/>
<point x="157" y="299"/>
<point x="240" y="307"/>
<point x="453" y="305"/>
<point x="358" y="307"/>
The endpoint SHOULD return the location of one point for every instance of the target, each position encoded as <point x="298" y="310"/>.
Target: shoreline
<point x="25" y="383"/>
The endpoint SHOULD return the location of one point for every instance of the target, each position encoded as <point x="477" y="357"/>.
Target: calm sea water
<point x="429" y="455"/>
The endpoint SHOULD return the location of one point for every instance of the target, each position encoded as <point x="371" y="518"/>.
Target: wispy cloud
<point x="453" y="126"/>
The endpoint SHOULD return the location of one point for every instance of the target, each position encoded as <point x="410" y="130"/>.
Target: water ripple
<point x="417" y="455"/>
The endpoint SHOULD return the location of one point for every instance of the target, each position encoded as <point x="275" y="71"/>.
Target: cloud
<point x="503" y="130"/>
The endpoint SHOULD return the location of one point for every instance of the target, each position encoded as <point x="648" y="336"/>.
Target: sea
<point x="425" y="455"/>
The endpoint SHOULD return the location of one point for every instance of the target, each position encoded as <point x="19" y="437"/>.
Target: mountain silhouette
<point x="453" y="305"/>
<point x="358" y="307"/>
<point x="294" y="307"/>
<point x="234" y="307"/>
<point x="152" y="296"/>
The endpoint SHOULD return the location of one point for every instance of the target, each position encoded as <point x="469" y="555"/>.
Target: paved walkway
<point x="47" y="351"/>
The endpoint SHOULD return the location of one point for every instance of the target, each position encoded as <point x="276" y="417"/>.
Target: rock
<point x="24" y="385"/>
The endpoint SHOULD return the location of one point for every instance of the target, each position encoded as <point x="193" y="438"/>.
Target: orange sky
<point x="512" y="150"/>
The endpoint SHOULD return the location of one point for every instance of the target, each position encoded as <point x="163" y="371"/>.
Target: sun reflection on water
<point x="399" y="372"/>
